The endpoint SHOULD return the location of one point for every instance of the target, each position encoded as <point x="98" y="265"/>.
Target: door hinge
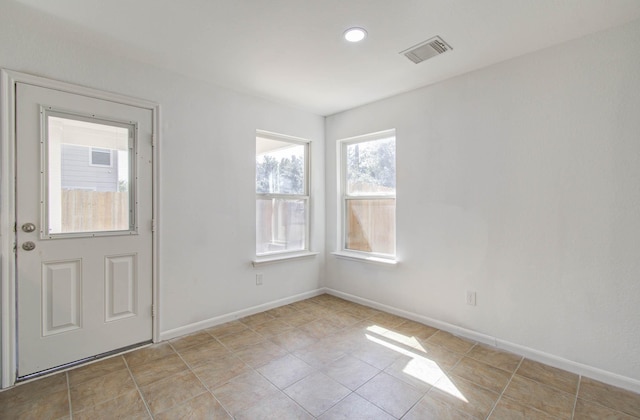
<point x="15" y="227"/>
<point x="153" y="225"/>
<point x="153" y="310"/>
<point x="153" y="140"/>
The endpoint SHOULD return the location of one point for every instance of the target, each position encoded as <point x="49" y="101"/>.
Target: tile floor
<point x="318" y="358"/>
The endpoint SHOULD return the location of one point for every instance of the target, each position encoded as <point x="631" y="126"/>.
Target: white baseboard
<point x="533" y="354"/>
<point x="212" y="322"/>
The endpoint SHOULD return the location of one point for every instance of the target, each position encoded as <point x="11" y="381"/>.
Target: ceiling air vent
<point x="425" y="50"/>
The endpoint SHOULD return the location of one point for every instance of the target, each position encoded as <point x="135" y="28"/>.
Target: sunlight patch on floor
<point x="418" y="366"/>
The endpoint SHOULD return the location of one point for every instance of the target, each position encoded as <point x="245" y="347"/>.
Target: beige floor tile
<point x="317" y="393"/>
<point x="202" y="407"/>
<point x="282" y="311"/>
<point x="495" y="357"/>
<point x="429" y="408"/>
<point x="260" y="354"/>
<point x="299" y="318"/>
<point x="221" y="330"/>
<point x="610" y="396"/>
<point x="376" y="354"/>
<point x="244" y="392"/>
<point x="203" y="353"/>
<point x="343" y="319"/>
<point x="303" y="305"/>
<point x="346" y="340"/>
<point x="241" y="339"/>
<point x="445" y="358"/>
<point x="191" y="340"/>
<point x="354" y="407"/>
<point x="158" y="369"/>
<point x="101" y="389"/>
<point x="320" y="328"/>
<point x="419" y="372"/>
<point x="320" y="353"/>
<point x="220" y="370"/>
<point x="391" y="394"/>
<point x="294" y="339"/>
<point x="171" y="391"/>
<point x="257" y="319"/>
<point x="415" y="330"/>
<point x="18" y="398"/>
<point x="587" y="410"/>
<point x="464" y="396"/>
<point x="148" y="354"/>
<point x="550" y="376"/>
<point x="285" y="371"/>
<point x="326" y="299"/>
<point x="360" y="311"/>
<point x="340" y="305"/>
<point x="541" y="397"/>
<point x="350" y="372"/>
<point x="507" y="409"/>
<point x="320" y="311"/>
<point x="482" y="374"/>
<point x="386" y="320"/>
<point x="272" y="327"/>
<point x="279" y="407"/>
<point x="451" y="342"/>
<point x="52" y="405"/>
<point x="94" y="370"/>
<point x="129" y="406"/>
<point x="365" y="327"/>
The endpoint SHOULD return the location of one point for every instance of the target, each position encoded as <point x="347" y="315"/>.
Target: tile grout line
<point x="316" y="370"/>
<point x="144" y="400"/>
<point x="267" y="338"/>
<point x="66" y="374"/>
<point x="575" y="402"/>
<point x="288" y="353"/>
<point x="198" y="377"/>
<point x="446" y="373"/>
<point x="505" y="388"/>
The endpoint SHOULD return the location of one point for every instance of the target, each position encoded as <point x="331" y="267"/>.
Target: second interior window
<point x="282" y="199"/>
<point x="369" y="194"/>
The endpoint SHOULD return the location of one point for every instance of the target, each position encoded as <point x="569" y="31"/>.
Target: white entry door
<point x="84" y="227"/>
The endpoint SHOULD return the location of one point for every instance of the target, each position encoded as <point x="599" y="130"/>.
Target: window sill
<point x="365" y="258"/>
<point x="269" y="259"/>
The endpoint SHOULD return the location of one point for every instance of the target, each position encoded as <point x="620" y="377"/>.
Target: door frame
<point x="8" y="287"/>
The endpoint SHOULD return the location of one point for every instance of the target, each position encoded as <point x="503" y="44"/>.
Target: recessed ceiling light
<point x="355" y="34"/>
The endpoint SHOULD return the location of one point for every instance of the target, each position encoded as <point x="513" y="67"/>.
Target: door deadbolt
<point x="29" y="246"/>
<point x="28" y="227"/>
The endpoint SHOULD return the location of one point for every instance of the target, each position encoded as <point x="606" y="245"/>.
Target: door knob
<point x="29" y="246"/>
<point x="28" y="227"/>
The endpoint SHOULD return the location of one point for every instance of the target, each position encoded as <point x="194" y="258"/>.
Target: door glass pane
<point x="371" y="225"/>
<point x="88" y="175"/>
<point x="281" y="225"/>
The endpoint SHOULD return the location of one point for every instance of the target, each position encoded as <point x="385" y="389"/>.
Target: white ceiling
<point x="292" y="51"/>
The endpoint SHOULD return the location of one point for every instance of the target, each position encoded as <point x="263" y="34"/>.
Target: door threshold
<point x="84" y="361"/>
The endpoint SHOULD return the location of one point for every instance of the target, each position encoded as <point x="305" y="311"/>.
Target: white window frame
<point x="344" y="197"/>
<point x="306" y="197"/>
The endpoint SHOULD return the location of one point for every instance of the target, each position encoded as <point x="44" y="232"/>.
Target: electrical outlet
<point x="259" y="279"/>
<point x="471" y="298"/>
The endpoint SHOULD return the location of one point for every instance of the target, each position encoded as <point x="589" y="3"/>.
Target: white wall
<point x="520" y="181"/>
<point x="207" y="209"/>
